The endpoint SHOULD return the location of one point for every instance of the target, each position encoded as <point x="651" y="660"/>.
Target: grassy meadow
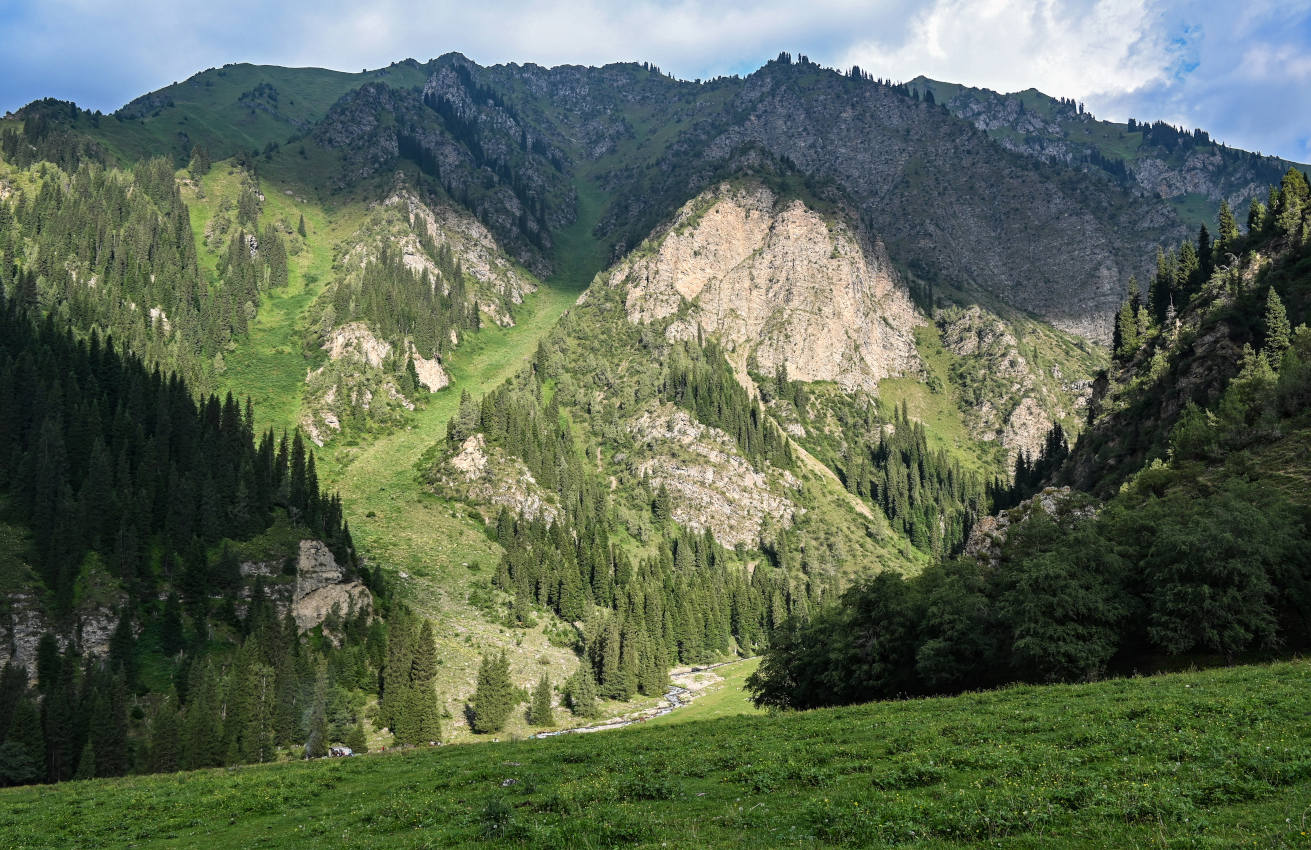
<point x="1213" y="759"/>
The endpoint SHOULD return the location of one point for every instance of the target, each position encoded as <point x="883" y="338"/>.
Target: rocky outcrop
<point x="484" y="475"/>
<point x="22" y="622"/>
<point x="1006" y="398"/>
<point x="498" y="282"/>
<point x="357" y="341"/>
<point x="987" y="539"/>
<point x="321" y="588"/>
<point x="710" y="485"/>
<point x="354" y="377"/>
<point x="778" y="284"/>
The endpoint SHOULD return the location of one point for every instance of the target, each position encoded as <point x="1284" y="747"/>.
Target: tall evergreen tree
<point x="540" y="713"/>
<point x="495" y="697"/>
<point x="1278" y="332"/>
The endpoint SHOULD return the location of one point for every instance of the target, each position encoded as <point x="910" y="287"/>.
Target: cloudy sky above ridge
<point x="1239" y="70"/>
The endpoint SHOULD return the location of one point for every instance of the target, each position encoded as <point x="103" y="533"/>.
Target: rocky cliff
<point x="316" y="588"/>
<point x="1159" y="161"/>
<point x="710" y="485"/>
<point x="779" y="285"/>
<point x="487" y="477"/>
<point x="1005" y="396"/>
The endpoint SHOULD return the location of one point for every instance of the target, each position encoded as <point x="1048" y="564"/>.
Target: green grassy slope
<point x="442" y="552"/>
<point x="1214" y="759"/>
<point x="725" y="698"/>
<point x="209" y="109"/>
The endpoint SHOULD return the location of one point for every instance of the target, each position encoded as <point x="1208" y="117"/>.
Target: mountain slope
<point x="1185" y="167"/>
<point x="657" y="141"/>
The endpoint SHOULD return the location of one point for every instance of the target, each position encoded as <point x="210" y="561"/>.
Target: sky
<point x="1240" y="70"/>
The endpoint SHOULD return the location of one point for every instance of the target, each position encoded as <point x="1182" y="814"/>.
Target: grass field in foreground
<point x="1220" y="759"/>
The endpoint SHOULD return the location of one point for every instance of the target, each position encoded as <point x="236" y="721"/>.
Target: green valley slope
<point x="1211" y="759"/>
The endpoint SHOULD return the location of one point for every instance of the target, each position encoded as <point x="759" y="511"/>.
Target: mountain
<point x="1187" y="535"/>
<point x="613" y="373"/>
<point x="645" y="142"/>
<point x="1183" y="166"/>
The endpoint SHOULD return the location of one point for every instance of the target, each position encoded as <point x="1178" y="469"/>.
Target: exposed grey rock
<point x="485" y="475"/>
<point x="775" y="281"/>
<point x="711" y="486"/>
<point x="320" y="588"/>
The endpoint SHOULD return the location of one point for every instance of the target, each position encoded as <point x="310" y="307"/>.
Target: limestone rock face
<point x="353" y="377"/>
<point x="775" y="280"/>
<point x="21" y="627"/>
<point x="485" y="475"/>
<point x="23" y="622"/>
<point x="1010" y="400"/>
<point x="320" y="588"/>
<point x="355" y="340"/>
<point x="430" y="372"/>
<point x="711" y="486"/>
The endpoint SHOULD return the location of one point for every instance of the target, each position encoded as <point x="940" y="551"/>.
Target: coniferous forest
<point x="1194" y="556"/>
<point x="237" y="528"/>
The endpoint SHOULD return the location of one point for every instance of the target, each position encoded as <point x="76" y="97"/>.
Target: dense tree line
<point x="400" y="305"/>
<point x="1170" y="568"/>
<point x="699" y="379"/>
<point x="1205" y="555"/>
<point x="267" y="690"/>
<point x="112" y="251"/>
<point x="47" y="135"/>
<point x="924" y="494"/>
<point x="124" y="482"/>
<point x="113" y="463"/>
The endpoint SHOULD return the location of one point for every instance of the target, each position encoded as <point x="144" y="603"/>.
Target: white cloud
<point x="1066" y="49"/>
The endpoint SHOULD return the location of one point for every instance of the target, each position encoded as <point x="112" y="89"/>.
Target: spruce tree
<point x="316" y="742"/>
<point x="1228" y="228"/>
<point x="300" y="228"/>
<point x="580" y="691"/>
<point x="541" y="713"/>
<point x="165" y="740"/>
<point x="495" y="697"/>
<point x="1278" y="332"/>
<point x="86" y="763"/>
<point x="356" y="739"/>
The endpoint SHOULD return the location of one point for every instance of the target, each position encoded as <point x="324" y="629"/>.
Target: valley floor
<point x="1220" y="758"/>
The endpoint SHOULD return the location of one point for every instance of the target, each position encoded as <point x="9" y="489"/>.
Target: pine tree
<point x="1293" y="192"/>
<point x="316" y="742"/>
<point x="541" y="714"/>
<point x="580" y="691"/>
<point x="1256" y="216"/>
<point x="171" y="637"/>
<point x="86" y="763"/>
<point x="1278" y="332"/>
<point x="356" y="739"/>
<point x="300" y="228"/>
<point x="495" y="697"/>
<point x="1228" y="228"/>
<point x="165" y="740"/>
